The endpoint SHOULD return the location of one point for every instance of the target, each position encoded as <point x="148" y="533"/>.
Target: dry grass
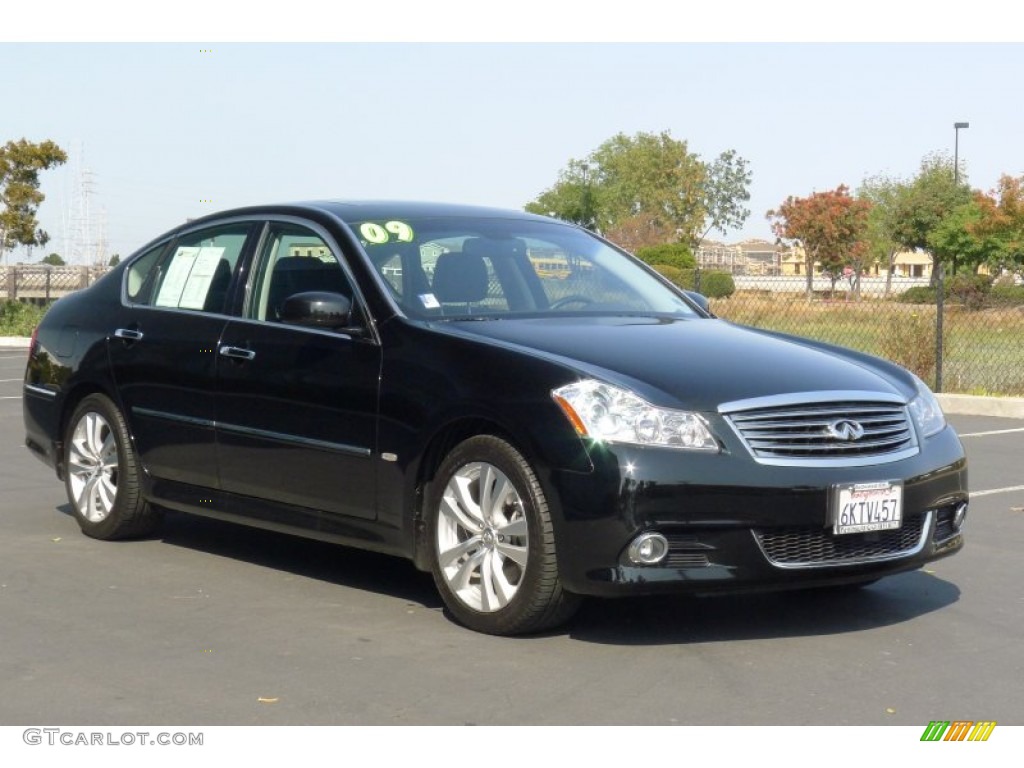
<point x="984" y="350"/>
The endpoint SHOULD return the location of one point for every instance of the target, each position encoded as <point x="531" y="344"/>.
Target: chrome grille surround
<point x="807" y="428"/>
<point x="814" y="547"/>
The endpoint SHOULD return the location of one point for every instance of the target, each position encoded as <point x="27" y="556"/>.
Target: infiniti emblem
<point x="845" y="431"/>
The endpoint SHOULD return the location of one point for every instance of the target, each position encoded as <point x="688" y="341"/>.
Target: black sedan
<point x="510" y="401"/>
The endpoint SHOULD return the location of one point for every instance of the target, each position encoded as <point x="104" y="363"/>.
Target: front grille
<point x="830" y="431"/>
<point x="812" y="546"/>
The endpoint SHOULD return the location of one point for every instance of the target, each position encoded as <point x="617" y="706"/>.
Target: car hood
<point x="699" y="364"/>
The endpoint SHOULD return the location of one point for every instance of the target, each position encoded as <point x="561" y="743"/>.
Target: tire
<point x="101" y="473"/>
<point x="492" y="545"/>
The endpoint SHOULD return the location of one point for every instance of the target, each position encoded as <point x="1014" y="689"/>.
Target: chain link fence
<point x="983" y="323"/>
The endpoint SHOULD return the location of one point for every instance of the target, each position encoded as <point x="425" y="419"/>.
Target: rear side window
<point x="197" y="272"/>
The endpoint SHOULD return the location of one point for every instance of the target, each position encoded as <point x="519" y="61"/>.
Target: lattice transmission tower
<point x="84" y="224"/>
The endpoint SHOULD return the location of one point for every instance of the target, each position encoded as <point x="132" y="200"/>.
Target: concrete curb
<point x="967" y="405"/>
<point x="972" y="405"/>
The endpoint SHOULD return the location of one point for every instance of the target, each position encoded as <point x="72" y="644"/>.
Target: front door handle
<point x="128" y="334"/>
<point x="237" y="352"/>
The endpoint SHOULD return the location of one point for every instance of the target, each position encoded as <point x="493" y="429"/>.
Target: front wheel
<point x="102" y="473"/>
<point x="492" y="543"/>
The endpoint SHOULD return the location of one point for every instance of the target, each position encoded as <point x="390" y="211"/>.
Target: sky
<point x="164" y="131"/>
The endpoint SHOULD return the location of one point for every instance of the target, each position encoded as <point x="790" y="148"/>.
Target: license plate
<point x="863" y="507"/>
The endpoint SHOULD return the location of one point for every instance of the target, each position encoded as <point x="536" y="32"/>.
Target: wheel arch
<point x="72" y="398"/>
<point x="437" y="448"/>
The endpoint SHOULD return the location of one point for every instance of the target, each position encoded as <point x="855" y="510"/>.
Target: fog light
<point x="959" y="516"/>
<point x="648" y="549"/>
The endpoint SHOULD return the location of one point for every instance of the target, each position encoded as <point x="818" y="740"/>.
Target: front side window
<point x="477" y="267"/>
<point x="196" y="273"/>
<point x="294" y="259"/>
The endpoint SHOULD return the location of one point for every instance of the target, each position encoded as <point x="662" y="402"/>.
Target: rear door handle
<point x="128" y="334"/>
<point x="237" y="352"/>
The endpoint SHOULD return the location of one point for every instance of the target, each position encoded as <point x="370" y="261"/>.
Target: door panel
<point x="297" y="407"/>
<point x="297" y="422"/>
<point x="166" y="380"/>
<point x="162" y="349"/>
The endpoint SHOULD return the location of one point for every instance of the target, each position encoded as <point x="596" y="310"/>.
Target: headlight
<point x="603" y="412"/>
<point x="926" y="410"/>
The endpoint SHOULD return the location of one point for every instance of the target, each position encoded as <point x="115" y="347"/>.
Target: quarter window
<point x="141" y="275"/>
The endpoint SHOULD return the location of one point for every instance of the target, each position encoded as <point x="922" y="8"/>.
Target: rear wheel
<point x="101" y="473"/>
<point x="492" y="542"/>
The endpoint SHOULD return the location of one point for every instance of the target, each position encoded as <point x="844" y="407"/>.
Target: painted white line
<point x="4" y="381"/>
<point x="15" y="397"/>
<point x="993" y="432"/>
<point x="1010" y="489"/>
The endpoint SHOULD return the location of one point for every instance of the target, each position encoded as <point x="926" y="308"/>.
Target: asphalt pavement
<point x="214" y="624"/>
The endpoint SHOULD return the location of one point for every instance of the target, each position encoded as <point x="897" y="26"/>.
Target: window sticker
<point x="189" y="276"/>
<point x="429" y="301"/>
<point x="378" y="234"/>
<point x="174" y="282"/>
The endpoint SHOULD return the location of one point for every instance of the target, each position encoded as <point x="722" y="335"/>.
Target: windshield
<point x="470" y="267"/>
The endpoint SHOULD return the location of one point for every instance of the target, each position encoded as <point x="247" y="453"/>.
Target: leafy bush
<point x="714" y="285"/>
<point x="919" y="294"/>
<point x="717" y="285"/>
<point x="674" y="274"/>
<point x="969" y="290"/>
<point x="669" y="254"/>
<point x="19" y="318"/>
<point x="1007" y="294"/>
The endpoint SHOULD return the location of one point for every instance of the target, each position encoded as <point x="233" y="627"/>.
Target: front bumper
<point x="734" y="525"/>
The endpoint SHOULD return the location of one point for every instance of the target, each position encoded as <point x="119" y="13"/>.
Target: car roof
<point x="363" y="210"/>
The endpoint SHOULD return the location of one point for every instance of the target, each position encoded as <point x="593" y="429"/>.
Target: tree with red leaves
<point x="831" y="228"/>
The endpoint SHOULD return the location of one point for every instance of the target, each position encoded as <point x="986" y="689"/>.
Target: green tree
<point x="882" y="245"/>
<point x="963" y="234"/>
<point x="20" y="164"/>
<point x="114" y="260"/>
<point x="648" y="189"/>
<point x="571" y="198"/>
<point x="931" y="196"/>
<point x="726" y="189"/>
<point x="54" y="259"/>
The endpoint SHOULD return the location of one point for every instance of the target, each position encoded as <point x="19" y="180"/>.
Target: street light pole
<point x="587" y="223"/>
<point x="940" y="288"/>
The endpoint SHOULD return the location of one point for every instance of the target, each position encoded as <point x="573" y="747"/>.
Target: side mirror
<point x="319" y="309"/>
<point x="700" y="300"/>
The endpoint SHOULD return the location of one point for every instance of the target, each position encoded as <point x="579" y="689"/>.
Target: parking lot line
<point x="993" y="432"/>
<point x="1008" y="489"/>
